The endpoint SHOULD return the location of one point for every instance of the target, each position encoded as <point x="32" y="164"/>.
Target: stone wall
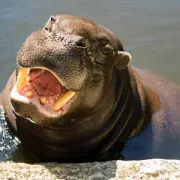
<point x="112" y="170"/>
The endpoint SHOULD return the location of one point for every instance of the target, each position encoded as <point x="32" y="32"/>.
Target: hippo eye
<point x="81" y="43"/>
<point x="105" y="51"/>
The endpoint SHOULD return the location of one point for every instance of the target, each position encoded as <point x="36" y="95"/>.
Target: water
<point x="8" y="143"/>
<point x="149" y="30"/>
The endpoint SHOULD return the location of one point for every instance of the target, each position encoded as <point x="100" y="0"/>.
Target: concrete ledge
<point x="113" y="170"/>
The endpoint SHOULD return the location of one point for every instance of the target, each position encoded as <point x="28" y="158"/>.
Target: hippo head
<point x="66" y="70"/>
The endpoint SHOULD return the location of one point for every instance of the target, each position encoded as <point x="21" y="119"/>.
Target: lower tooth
<point x="29" y="94"/>
<point x="43" y="100"/>
<point x="63" y="100"/>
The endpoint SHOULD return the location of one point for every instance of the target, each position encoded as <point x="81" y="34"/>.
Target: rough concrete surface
<point x="112" y="170"/>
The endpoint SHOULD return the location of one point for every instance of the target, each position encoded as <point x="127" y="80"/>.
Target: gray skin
<point x="86" y="57"/>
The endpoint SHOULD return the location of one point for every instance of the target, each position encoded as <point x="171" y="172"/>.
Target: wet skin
<point x="112" y="103"/>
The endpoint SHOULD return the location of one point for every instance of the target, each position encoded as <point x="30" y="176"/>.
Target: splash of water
<point x="8" y="142"/>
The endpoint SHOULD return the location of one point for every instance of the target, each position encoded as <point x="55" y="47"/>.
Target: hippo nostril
<point x="50" y="24"/>
<point x="81" y="43"/>
<point x="46" y="28"/>
<point x="49" y="29"/>
<point x="53" y="19"/>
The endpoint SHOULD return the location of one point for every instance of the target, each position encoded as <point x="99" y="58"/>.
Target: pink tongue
<point x="44" y="83"/>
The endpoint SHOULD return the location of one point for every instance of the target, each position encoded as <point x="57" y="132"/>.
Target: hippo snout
<point x="64" y="54"/>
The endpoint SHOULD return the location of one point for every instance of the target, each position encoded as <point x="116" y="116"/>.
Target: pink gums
<point x="42" y="83"/>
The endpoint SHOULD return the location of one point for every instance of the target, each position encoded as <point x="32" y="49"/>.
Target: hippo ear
<point x="122" y="59"/>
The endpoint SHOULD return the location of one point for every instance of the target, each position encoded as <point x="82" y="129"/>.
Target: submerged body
<point x="76" y="98"/>
<point x="161" y="137"/>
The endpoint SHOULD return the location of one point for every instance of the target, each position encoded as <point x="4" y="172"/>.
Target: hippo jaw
<point x="44" y="89"/>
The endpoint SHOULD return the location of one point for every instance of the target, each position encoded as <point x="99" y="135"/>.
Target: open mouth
<point x="42" y="88"/>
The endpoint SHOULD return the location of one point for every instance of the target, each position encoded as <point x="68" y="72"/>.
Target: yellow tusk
<point x="63" y="100"/>
<point x="21" y="79"/>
